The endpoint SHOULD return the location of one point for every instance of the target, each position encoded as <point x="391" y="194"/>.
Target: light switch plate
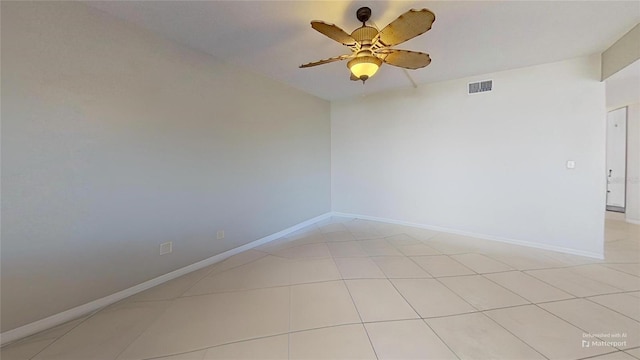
<point x="166" y="248"/>
<point x="571" y="164"/>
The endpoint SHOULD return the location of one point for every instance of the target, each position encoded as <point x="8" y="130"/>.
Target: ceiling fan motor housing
<point x="364" y="34"/>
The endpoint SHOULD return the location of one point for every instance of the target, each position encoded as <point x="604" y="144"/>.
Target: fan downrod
<point x="363" y="14"/>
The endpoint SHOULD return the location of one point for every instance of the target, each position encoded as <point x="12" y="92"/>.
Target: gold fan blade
<point x="333" y="32"/>
<point x="354" y="78"/>
<point x="404" y="58"/>
<point x="407" y="26"/>
<point x="326" y="61"/>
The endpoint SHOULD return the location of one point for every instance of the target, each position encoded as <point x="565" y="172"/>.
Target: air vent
<point x="480" y="86"/>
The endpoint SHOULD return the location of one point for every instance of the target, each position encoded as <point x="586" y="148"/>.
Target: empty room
<point x="191" y="180"/>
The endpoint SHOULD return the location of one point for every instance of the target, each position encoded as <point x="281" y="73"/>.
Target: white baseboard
<point x="88" y="308"/>
<point x="632" y="221"/>
<point x="476" y="235"/>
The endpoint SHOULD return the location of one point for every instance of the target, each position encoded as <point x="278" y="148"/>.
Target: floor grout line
<point x="570" y="323"/>
<point x="608" y="308"/>
<point x="423" y="320"/>
<point x="59" y="337"/>
<point x="215" y="346"/>
<point x="568" y="292"/>
<point x="511" y="332"/>
<point x="353" y="302"/>
<point x="599" y="355"/>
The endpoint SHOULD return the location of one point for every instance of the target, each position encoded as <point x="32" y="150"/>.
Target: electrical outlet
<point x="220" y="235"/>
<point x="166" y="248"/>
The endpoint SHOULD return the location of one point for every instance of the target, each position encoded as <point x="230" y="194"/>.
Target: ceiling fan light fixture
<point x="364" y="67"/>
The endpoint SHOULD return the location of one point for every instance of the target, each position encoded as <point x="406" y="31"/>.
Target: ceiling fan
<point x="370" y="47"/>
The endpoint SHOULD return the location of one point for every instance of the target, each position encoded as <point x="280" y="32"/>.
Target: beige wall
<point x="115" y="140"/>
<point x="632" y="211"/>
<point x="622" y="53"/>
<point x="492" y="165"/>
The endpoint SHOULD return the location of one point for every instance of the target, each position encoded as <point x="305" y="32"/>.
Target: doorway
<point x="616" y="159"/>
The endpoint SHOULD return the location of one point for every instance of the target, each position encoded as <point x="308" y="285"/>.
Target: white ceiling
<point x="468" y="37"/>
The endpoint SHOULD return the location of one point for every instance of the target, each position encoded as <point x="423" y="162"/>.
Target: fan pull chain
<point x="415" y="86"/>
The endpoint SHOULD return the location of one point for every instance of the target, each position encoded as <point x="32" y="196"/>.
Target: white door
<point x="616" y="159"/>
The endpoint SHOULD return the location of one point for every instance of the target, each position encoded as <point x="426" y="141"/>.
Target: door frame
<point x="618" y="209"/>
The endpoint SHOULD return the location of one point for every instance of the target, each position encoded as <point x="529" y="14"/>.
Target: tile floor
<point x="356" y="289"/>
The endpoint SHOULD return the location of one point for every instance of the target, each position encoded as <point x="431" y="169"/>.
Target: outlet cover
<point x="220" y="235"/>
<point x="166" y="248"/>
